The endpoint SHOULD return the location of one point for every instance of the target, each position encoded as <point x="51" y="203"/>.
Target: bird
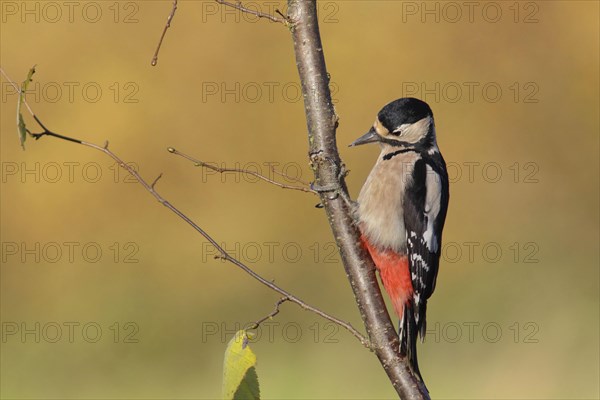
<point x="400" y="213"/>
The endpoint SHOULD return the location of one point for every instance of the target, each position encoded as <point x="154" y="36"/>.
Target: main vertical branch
<point x="329" y="182"/>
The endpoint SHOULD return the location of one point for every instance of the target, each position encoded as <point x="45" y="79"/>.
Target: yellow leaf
<point x="239" y="374"/>
<point x="21" y="128"/>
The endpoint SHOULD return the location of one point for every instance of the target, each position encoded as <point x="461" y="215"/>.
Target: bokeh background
<point x="106" y="294"/>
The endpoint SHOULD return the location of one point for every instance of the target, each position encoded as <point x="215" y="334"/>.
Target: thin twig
<point x="164" y="32"/>
<point x="156" y="180"/>
<point x="283" y="20"/>
<point x="224" y="255"/>
<point x="291" y="178"/>
<point x="282" y="15"/>
<point x="256" y="324"/>
<point x="220" y="170"/>
<point x="14" y="84"/>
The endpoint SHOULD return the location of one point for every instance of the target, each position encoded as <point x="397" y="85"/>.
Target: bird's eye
<point x="401" y="130"/>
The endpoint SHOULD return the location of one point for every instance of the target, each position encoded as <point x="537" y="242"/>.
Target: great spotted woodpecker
<point x="401" y="212"/>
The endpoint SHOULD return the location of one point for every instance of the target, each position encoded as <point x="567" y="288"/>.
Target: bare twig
<point x="223" y="254"/>
<point x="14" y="84"/>
<point x="220" y="170"/>
<point x="155" y="181"/>
<point x="164" y="32"/>
<point x="256" y="324"/>
<point x="259" y="14"/>
<point x="282" y="16"/>
<point x="291" y="178"/>
<point x="329" y="177"/>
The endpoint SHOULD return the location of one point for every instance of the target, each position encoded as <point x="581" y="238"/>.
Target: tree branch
<point x="164" y="32"/>
<point x="238" y="5"/>
<point x="220" y="170"/>
<point x="223" y="254"/>
<point x="256" y="324"/>
<point x="291" y="178"/>
<point x="328" y="169"/>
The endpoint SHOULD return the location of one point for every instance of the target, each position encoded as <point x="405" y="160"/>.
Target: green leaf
<point x="21" y="128"/>
<point x="240" y="381"/>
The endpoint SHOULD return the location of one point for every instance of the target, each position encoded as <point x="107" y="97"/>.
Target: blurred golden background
<point x="106" y="294"/>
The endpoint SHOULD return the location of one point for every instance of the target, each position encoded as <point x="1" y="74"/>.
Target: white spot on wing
<point x="431" y="239"/>
<point x="417" y="258"/>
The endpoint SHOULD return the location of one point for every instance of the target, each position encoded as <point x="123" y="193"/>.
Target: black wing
<point x="425" y="206"/>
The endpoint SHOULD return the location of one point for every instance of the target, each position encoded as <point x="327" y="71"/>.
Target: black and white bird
<point x="401" y="212"/>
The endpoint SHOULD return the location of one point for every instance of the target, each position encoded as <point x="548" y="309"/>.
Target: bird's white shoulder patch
<point x="432" y="207"/>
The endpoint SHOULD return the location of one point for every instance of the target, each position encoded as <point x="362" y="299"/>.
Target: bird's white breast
<point x="380" y="202"/>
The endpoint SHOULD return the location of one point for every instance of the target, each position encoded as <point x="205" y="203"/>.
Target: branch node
<point x="337" y="188"/>
<point x="35" y="136"/>
<point x="285" y="17"/>
<point x="326" y="189"/>
<point x="336" y="120"/>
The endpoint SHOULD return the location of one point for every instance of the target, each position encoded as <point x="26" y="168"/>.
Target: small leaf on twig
<point x="21" y="128"/>
<point x="239" y="374"/>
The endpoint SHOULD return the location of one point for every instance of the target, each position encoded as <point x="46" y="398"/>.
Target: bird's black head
<point x="406" y="110"/>
<point x="406" y="122"/>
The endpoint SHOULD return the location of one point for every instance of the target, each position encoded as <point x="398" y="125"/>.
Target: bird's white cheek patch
<point x="412" y="133"/>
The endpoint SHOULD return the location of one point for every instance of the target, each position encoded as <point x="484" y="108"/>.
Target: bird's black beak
<point x="368" y="137"/>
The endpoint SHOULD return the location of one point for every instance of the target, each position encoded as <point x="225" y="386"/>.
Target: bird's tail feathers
<point x="408" y="339"/>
